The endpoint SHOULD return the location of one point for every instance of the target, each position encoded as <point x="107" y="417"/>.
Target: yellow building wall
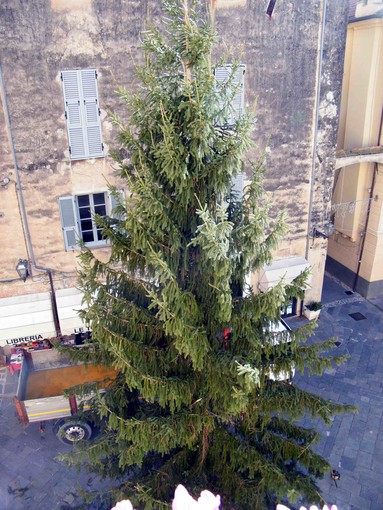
<point x="350" y="198"/>
<point x="372" y="262"/>
<point x="362" y="88"/>
<point x="354" y="245"/>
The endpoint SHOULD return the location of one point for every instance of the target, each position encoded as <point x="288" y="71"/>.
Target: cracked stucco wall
<point x="282" y="56"/>
<point x="39" y="38"/>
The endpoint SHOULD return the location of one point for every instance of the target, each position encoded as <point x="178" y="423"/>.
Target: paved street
<point x="31" y="478"/>
<point x="353" y="444"/>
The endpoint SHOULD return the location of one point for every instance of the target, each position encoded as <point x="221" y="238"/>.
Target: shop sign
<point x="76" y="331"/>
<point x="24" y="339"/>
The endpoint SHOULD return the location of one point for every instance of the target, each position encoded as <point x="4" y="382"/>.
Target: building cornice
<point x="349" y="157"/>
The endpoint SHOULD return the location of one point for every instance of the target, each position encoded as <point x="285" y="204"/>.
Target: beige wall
<point x="372" y="263"/>
<point x="352" y="189"/>
<point x="40" y="191"/>
<point x="346" y="248"/>
<point x="281" y="79"/>
<point x="362" y="93"/>
<point x="11" y="231"/>
<point x="360" y="118"/>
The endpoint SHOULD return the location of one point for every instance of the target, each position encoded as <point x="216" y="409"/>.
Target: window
<point x="82" y="114"/>
<point x="290" y="309"/>
<point x="231" y="84"/>
<point x="87" y="207"/>
<point x="237" y="185"/>
<point x="77" y="218"/>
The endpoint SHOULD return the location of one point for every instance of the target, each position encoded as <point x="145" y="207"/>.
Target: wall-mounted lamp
<point x="22" y="269"/>
<point x="325" y="232"/>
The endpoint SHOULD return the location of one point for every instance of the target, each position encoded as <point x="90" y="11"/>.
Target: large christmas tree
<point x="201" y="397"/>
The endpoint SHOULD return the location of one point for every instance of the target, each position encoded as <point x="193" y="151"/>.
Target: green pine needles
<point x="194" y="402"/>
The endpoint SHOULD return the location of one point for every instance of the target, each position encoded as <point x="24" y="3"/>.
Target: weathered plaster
<point x="71" y="5"/>
<point x="43" y="37"/>
<point x="226" y="4"/>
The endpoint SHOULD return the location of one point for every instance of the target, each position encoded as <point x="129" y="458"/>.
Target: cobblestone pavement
<point x="353" y="444"/>
<point x="31" y="478"/>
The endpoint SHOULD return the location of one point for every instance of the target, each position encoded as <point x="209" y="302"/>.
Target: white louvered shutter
<point x="82" y="113"/>
<point x="68" y="222"/>
<point x="237" y="186"/>
<point x="238" y="103"/>
<point x="222" y="75"/>
<point x="114" y="203"/>
<point x="73" y="114"/>
<point x="92" y="120"/>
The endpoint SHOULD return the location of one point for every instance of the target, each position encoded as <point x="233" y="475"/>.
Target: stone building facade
<point x="293" y="59"/>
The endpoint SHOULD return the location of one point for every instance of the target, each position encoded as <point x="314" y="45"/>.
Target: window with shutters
<point x="230" y="85"/>
<point x="82" y="114"/>
<point x="78" y="218"/>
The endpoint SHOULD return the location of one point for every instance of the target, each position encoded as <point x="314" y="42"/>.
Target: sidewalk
<point x="31" y="477"/>
<point x="353" y="444"/>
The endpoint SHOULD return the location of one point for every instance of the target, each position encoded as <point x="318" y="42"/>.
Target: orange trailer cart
<point x="40" y="392"/>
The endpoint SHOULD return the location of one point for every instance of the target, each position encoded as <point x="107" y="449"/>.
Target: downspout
<point x="23" y="210"/>
<point x="316" y="123"/>
<point x="371" y="196"/>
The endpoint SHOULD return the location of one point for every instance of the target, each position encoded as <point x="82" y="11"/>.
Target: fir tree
<point x="194" y="401"/>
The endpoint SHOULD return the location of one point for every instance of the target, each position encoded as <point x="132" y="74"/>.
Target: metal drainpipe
<point x="371" y="196"/>
<point x="23" y="210"/>
<point x="315" y="138"/>
<point x="8" y="280"/>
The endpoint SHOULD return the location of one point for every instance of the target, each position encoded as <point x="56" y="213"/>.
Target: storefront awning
<point x="68" y="303"/>
<point x="288" y="269"/>
<point x="26" y="318"/>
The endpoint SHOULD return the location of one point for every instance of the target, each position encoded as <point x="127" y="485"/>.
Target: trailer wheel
<point x="73" y="432"/>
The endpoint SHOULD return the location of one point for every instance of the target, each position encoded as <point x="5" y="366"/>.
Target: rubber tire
<point x="70" y="432"/>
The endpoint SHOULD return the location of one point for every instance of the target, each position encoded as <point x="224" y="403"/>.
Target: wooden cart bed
<point x="52" y="382"/>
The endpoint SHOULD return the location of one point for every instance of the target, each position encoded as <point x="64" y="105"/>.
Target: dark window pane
<point x="99" y="234"/>
<point x="84" y="213"/>
<point x="88" y="237"/>
<point x="83" y="200"/>
<point x="86" y="225"/>
<point x="100" y="209"/>
<point x="99" y="198"/>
